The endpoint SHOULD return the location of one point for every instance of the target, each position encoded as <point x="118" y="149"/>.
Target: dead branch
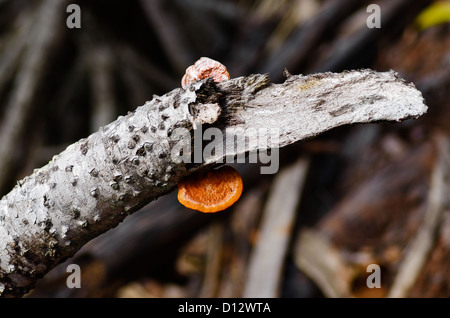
<point x="267" y="259"/>
<point x="321" y="261"/>
<point x="422" y="244"/>
<point x="96" y="182"/>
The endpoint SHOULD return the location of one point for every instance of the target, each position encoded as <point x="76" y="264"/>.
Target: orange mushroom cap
<point x="211" y="191"/>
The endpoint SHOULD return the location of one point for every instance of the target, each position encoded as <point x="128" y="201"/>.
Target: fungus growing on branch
<point x="211" y="191"/>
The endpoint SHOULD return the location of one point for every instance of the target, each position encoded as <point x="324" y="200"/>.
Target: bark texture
<point x="96" y="182"/>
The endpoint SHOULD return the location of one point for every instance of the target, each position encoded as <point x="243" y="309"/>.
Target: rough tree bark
<point x="96" y="182"/>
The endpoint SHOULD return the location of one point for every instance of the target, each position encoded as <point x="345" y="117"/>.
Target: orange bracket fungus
<point x="211" y="191"/>
<point x="204" y="68"/>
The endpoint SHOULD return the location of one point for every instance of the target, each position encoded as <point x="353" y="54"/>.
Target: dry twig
<point x="96" y="182"/>
<point x="268" y="256"/>
<point x="423" y="242"/>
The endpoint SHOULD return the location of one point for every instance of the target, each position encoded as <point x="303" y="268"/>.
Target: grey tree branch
<point x="96" y="182"/>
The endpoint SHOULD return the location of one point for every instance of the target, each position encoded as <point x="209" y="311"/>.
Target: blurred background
<point x="354" y="196"/>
